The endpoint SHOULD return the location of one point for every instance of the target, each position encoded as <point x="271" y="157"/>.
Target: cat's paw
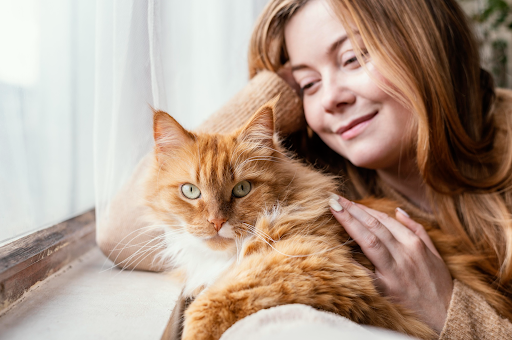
<point x="203" y="321"/>
<point x="196" y="333"/>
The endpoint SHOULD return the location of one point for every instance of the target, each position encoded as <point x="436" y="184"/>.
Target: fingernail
<point x="403" y="212"/>
<point x="334" y="196"/>
<point x="335" y="205"/>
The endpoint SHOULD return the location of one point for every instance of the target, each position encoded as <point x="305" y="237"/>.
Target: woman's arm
<point x="125" y="236"/>
<point x="260" y="89"/>
<point x="471" y="317"/>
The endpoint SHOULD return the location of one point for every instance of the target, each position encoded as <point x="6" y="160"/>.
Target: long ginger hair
<point x="429" y="56"/>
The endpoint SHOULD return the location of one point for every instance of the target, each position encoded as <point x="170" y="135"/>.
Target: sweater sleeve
<point x="471" y="317"/>
<point x="263" y="87"/>
<point x="130" y="241"/>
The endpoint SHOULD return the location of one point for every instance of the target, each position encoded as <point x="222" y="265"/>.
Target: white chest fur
<point x="201" y="264"/>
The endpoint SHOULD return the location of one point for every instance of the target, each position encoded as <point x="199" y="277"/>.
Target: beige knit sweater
<point x="469" y="315"/>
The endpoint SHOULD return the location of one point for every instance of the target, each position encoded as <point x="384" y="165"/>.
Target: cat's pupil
<point x="190" y="191"/>
<point x="242" y="189"/>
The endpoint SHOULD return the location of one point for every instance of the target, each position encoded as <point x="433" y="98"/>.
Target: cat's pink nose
<point x="217" y="222"/>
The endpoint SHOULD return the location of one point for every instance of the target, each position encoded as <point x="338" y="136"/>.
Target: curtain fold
<point x="123" y="95"/>
<point x="155" y="59"/>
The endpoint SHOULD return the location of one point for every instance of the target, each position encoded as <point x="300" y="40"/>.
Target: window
<point x="46" y="112"/>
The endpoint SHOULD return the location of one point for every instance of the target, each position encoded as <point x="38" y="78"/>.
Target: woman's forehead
<point x="315" y="29"/>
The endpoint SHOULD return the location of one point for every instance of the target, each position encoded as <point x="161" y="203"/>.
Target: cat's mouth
<point x="218" y="238"/>
<point x="218" y="242"/>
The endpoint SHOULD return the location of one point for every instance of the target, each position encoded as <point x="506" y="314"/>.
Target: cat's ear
<point x="169" y="134"/>
<point x="260" y="128"/>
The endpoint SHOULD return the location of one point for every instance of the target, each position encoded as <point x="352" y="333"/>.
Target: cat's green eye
<point x="241" y="189"/>
<point x="190" y="191"/>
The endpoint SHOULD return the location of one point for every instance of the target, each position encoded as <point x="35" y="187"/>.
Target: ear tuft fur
<point x="169" y="135"/>
<point x="260" y="128"/>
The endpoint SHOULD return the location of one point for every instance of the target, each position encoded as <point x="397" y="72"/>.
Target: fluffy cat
<point x="251" y="228"/>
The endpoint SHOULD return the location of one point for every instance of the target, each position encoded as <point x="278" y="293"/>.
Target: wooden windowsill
<point x="87" y="300"/>
<point x="33" y="258"/>
<point x="56" y="284"/>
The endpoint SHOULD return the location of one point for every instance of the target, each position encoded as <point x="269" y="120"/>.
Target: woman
<point x="395" y="89"/>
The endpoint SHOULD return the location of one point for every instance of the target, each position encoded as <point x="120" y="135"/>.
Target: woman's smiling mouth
<point x="355" y="127"/>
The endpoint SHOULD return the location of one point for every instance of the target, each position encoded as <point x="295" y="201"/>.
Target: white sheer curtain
<point x="184" y="57"/>
<point x="46" y="112"/>
<point x="65" y="62"/>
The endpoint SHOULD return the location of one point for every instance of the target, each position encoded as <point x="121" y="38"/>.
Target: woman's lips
<point x="355" y="127"/>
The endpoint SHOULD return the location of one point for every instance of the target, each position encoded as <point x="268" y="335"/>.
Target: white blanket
<point x="301" y="322"/>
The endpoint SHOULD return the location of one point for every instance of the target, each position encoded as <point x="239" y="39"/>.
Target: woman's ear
<point x="169" y="135"/>
<point x="260" y="128"/>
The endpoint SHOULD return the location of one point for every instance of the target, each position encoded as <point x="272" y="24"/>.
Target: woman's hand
<point x="408" y="267"/>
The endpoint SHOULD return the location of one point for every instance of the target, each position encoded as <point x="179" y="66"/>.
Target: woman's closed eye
<point x="350" y="62"/>
<point x="307" y="85"/>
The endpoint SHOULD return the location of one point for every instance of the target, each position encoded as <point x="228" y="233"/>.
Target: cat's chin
<point x="218" y="242"/>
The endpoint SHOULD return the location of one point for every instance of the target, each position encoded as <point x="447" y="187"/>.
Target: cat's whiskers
<point x="140" y="246"/>
<point x="145" y="251"/>
<point x="148" y="252"/>
<point x="123" y="265"/>
<point x="163" y="258"/>
<point x="305" y="255"/>
<point x="146" y="230"/>
<point x="234" y="152"/>
<point x="257" y="158"/>
<point x="274" y="150"/>
<point x="250" y="147"/>
<point x="261" y="158"/>
<point x="136" y="260"/>
<point x="128" y="244"/>
<point x="142" y="250"/>
<point x="254" y="229"/>
<point x="236" y="163"/>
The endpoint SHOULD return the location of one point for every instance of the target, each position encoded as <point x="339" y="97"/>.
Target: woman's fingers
<point x="402" y="234"/>
<point x="408" y="268"/>
<point x="396" y="228"/>
<point x="417" y="229"/>
<point x="374" y="238"/>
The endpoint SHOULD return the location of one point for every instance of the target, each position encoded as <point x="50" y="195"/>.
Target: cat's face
<point x="215" y="185"/>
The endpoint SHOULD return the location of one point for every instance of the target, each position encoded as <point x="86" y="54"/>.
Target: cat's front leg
<point x="207" y="318"/>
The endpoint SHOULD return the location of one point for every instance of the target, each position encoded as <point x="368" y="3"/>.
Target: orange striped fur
<point x="283" y="244"/>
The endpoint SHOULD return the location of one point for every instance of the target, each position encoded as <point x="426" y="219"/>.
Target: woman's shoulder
<point x="503" y="103"/>
<point x="502" y="111"/>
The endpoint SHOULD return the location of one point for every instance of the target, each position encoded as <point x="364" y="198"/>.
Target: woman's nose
<point x="336" y="95"/>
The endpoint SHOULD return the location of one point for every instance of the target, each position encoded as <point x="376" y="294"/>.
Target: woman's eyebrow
<point x="335" y="45"/>
<point x="298" y="67"/>
<point x="331" y="49"/>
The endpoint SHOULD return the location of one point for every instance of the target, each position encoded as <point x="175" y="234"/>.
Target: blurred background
<point x="77" y="78"/>
<point x="492" y="21"/>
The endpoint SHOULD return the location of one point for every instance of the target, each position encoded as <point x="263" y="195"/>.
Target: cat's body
<point x="277" y="244"/>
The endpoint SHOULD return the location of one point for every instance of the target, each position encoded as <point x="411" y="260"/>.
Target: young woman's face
<point x="342" y="102"/>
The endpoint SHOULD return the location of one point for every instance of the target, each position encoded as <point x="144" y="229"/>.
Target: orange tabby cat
<point x="252" y="229"/>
